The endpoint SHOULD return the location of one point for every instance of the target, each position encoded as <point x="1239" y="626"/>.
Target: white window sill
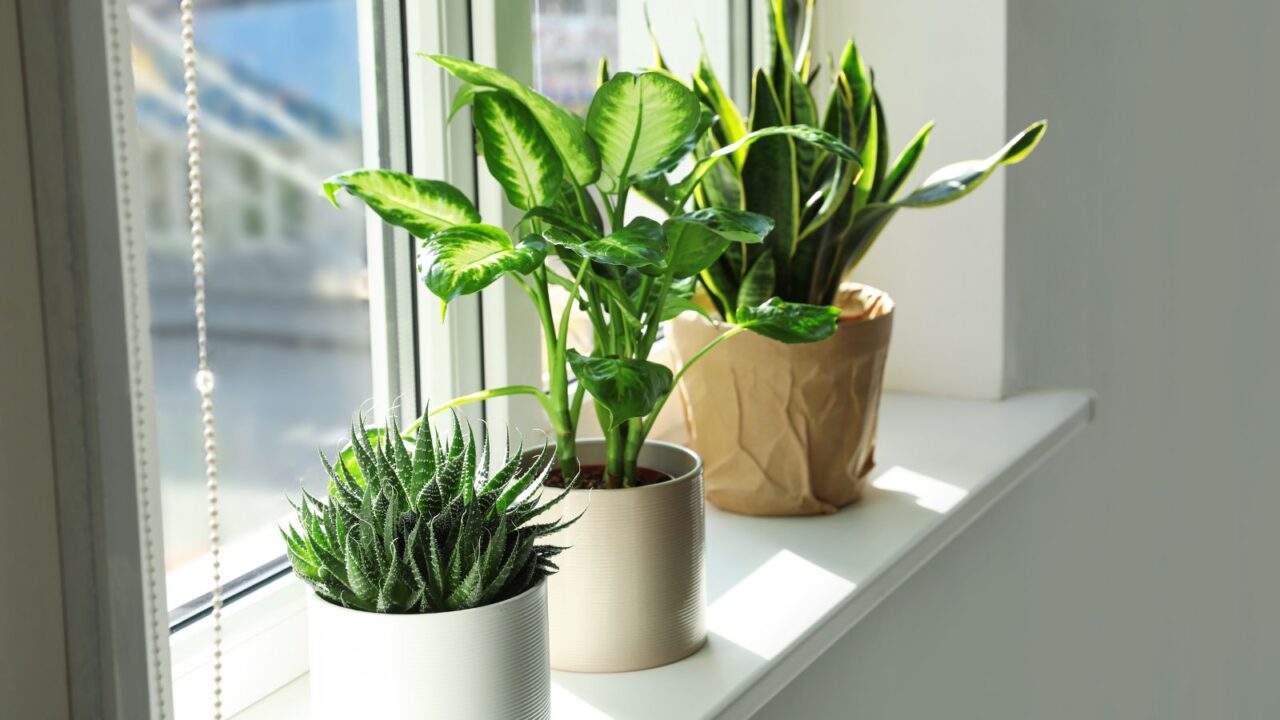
<point x="783" y="590"/>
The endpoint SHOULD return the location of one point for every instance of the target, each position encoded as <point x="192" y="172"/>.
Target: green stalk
<point x="558" y="412"/>
<point x="654" y="318"/>
<point x="653" y="416"/>
<point x="543" y="400"/>
<point x="613" y="450"/>
<point x="575" y="411"/>
<point x="635" y="440"/>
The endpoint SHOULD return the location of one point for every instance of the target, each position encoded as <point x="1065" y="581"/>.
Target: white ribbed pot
<point x="631" y="590"/>
<point x="479" y="664"/>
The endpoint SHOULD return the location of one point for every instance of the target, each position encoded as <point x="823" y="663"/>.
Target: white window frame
<point x="404" y="105"/>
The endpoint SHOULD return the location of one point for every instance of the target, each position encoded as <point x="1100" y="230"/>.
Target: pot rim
<point x="689" y="476"/>
<point x="525" y="596"/>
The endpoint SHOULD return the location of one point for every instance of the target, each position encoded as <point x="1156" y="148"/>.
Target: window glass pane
<point x="287" y="277"/>
<point x="570" y="38"/>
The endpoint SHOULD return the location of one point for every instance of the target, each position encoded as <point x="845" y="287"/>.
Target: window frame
<point x="405" y="108"/>
<point x="107" y="465"/>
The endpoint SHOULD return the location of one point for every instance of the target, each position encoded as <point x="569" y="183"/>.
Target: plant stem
<point x="575" y="411"/>
<point x="653" y="416"/>
<point x="542" y="398"/>
<point x="558" y="410"/>
<point x="613" y="449"/>
<point x="608" y="206"/>
<point x="635" y="440"/>
<point x="654" y="318"/>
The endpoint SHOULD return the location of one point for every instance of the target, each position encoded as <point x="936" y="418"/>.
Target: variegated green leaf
<point x="423" y="207"/>
<point x="517" y="152"/>
<point x="695" y="240"/>
<point x="641" y="245"/>
<point x="468" y="258"/>
<point x="637" y="121"/>
<point x="790" y="322"/>
<point x="733" y="225"/>
<point x="576" y="149"/>
<point x="623" y="387"/>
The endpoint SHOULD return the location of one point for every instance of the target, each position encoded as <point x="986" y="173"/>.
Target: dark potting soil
<point x="592" y="477"/>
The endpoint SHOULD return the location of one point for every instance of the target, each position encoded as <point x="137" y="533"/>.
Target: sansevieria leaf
<point x="955" y="181"/>
<point x="624" y="387"/>
<point x="757" y="284"/>
<point x="468" y="258"/>
<point x="637" y="121"/>
<point x="905" y="163"/>
<point x="517" y="152"/>
<point x="790" y="322"/>
<point x="576" y="150"/>
<point x="423" y="207"/>
<point x="730" y="127"/>
<point x="770" y="179"/>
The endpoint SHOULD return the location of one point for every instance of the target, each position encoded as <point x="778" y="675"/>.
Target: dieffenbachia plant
<point x="573" y="178"/>
<point x="416" y="525"/>
<point x="827" y="210"/>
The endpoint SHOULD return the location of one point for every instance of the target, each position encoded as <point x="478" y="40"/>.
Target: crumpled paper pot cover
<point x="787" y="429"/>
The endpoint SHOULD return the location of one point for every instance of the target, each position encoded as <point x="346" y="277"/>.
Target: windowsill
<point x="783" y="590"/>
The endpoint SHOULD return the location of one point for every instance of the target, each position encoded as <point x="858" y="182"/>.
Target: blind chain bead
<point x="204" y="375"/>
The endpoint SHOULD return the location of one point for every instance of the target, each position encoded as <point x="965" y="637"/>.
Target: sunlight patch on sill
<point x="773" y="606"/>
<point x="930" y="493"/>
<point x="565" y="704"/>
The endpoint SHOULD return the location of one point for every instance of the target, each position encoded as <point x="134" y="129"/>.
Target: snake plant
<point x="827" y="210"/>
<point x="422" y="526"/>
<point x="572" y="178"/>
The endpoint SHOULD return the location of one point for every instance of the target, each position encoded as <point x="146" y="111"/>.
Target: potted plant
<point x="828" y="213"/>
<point x="630" y="593"/>
<point x="428" y="594"/>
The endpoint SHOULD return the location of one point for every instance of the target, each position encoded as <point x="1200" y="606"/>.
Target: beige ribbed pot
<point x="480" y="664"/>
<point x="631" y="591"/>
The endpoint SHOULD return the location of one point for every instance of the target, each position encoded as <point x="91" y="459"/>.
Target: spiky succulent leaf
<point x="427" y="531"/>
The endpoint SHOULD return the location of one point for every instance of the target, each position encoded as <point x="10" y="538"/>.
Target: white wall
<point x="943" y="61"/>
<point x="1136" y="575"/>
<point x="33" y="673"/>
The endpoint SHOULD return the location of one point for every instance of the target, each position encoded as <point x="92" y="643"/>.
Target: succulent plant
<point x="422" y="526"/>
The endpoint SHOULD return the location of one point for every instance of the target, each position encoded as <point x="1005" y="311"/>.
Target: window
<point x="288" y="281"/>
<point x="570" y="38"/>
<point x="314" y="312"/>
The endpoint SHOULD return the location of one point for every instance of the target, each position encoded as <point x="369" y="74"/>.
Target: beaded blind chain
<point x="204" y="376"/>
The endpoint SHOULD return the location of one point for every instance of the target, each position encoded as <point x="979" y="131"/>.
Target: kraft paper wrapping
<point x="787" y="429"/>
